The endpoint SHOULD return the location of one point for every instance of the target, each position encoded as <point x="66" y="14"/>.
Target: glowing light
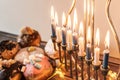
<point x="97" y="39"/>
<point x="52" y="12"/>
<point x="63" y="19"/>
<point x="69" y="22"/>
<point x="81" y="29"/>
<point x="56" y="18"/>
<point x="75" y="22"/>
<point x="89" y="35"/>
<point x="107" y="40"/>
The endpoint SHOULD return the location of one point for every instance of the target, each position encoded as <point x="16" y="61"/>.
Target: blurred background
<point x="15" y="14"/>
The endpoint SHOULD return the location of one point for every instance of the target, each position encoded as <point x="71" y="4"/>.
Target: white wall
<point x="14" y="14"/>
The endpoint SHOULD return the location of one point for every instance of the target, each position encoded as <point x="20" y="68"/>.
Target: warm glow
<point x="107" y="40"/>
<point x="85" y="6"/>
<point x="81" y="29"/>
<point x="52" y="13"/>
<point x="88" y="8"/>
<point x="56" y="18"/>
<point x="89" y="35"/>
<point x="63" y="19"/>
<point x="61" y="74"/>
<point x="75" y="20"/>
<point x="97" y="38"/>
<point x="69" y="22"/>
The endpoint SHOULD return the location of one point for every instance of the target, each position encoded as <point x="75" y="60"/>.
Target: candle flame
<point x="63" y="19"/>
<point x="52" y="12"/>
<point x="81" y="29"/>
<point x="89" y="35"/>
<point x="85" y="5"/>
<point x="75" y="20"/>
<point x="56" y="18"/>
<point x="88" y="8"/>
<point x="69" y="22"/>
<point x="97" y="39"/>
<point x="107" y="40"/>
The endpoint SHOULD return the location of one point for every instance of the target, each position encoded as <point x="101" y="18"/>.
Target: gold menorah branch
<point x="107" y="11"/>
<point x="70" y="11"/>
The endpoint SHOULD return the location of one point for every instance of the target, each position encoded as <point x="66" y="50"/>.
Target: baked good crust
<point x="45" y="71"/>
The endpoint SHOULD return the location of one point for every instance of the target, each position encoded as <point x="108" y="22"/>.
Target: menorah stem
<point x="104" y="71"/>
<point x="71" y="74"/>
<point x="59" y="46"/>
<point x="70" y="54"/>
<point x="89" y="62"/>
<point x="65" y="55"/>
<point x="88" y="70"/>
<point x="82" y="77"/>
<point x="96" y="75"/>
<point x="104" y="77"/>
<point x="54" y="42"/>
<point x="76" y="70"/>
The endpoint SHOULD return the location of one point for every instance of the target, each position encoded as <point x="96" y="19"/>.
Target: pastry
<point x="29" y="37"/>
<point x="11" y="70"/>
<point x="37" y="64"/>
<point x="8" y="49"/>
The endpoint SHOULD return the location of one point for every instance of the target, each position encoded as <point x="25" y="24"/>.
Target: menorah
<point x="84" y="44"/>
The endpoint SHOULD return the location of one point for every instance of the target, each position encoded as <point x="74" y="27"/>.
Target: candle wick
<point x="107" y="47"/>
<point x="64" y="25"/>
<point x="74" y="30"/>
<point x="81" y="35"/>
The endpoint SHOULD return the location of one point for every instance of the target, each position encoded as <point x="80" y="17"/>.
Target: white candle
<point x="85" y="19"/>
<point x="69" y="34"/>
<point x="81" y="40"/>
<point x="58" y="33"/>
<point x="97" y="49"/>
<point x="58" y="29"/>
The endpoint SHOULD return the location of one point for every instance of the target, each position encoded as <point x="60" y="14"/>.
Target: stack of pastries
<point x="24" y="59"/>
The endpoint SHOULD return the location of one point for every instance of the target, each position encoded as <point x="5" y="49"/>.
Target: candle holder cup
<point x="96" y="68"/>
<point x="75" y="49"/>
<point x="65" y="56"/>
<point x="70" y="53"/>
<point x="88" y="62"/>
<point x="81" y="58"/>
<point x="104" y="71"/>
<point x="54" y="41"/>
<point x="59" y="49"/>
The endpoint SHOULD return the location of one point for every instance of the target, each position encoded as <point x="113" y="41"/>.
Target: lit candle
<point x="88" y="49"/>
<point x="88" y="12"/>
<point x="75" y="35"/>
<point x="69" y="34"/>
<point x="53" y="22"/>
<point x="97" y="49"/>
<point x="63" y="30"/>
<point x="85" y="20"/>
<point x="81" y="40"/>
<point x="58" y="29"/>
<point x="106" y="51"/>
